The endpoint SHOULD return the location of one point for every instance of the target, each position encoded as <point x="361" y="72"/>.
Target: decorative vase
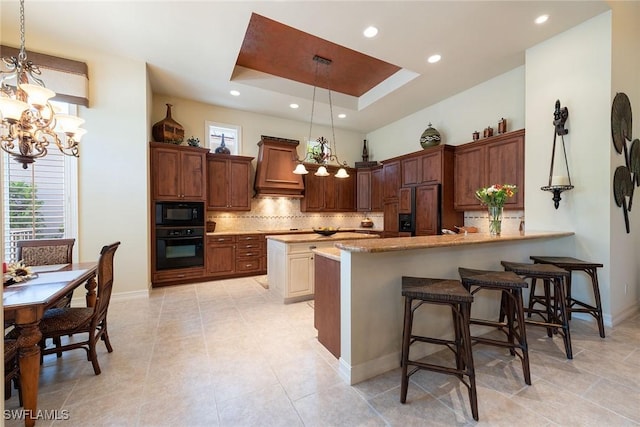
<point x="365" y="152"/>
<point x="168" y="130"/>
<point x="495" y="220"/>
<point x="222" y="149"/>
<point x="430" y="137"/>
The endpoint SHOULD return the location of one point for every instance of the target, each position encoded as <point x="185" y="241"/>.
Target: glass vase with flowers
<point x="494" y="198"/>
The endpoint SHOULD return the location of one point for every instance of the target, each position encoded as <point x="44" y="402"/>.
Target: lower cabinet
<point x="326" y="313"/>
<point x="290" y="270"/>
<point x="235" y="255"/>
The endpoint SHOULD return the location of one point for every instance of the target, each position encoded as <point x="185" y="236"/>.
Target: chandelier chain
<point x="22" y="56"/>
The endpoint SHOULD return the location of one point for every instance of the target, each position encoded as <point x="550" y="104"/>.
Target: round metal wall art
<point x="621" y="121"/>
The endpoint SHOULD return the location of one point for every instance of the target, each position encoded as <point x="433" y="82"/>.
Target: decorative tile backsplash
<point x="281" y="213"/>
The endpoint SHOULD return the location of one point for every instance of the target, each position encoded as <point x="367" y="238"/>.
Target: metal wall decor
<point x="558" y="184"/>
<point x="626" y="177"/>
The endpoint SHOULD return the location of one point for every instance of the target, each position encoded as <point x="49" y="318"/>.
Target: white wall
<point x="192" y="116"/>
<point x="625" y="78"/>
<point x="456" y="118"/>
<point x="113" y="165"/>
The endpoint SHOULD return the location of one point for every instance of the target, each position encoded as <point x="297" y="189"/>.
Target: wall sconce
<point x="559" y="183"/>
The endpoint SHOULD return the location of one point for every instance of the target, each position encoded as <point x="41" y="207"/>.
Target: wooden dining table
<point x="24" y="305"/>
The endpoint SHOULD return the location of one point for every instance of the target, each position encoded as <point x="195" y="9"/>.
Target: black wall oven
<point x="179" y="232"/>
<point x="179" y="248"/>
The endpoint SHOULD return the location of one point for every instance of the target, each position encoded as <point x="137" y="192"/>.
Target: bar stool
<point x="419" y="290"/>
<point x="554" y="311"/>
<point x="591" y="269"/>
<point x="511" y="308"/>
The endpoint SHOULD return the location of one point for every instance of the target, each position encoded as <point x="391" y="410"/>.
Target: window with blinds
<point x="40" y="201"/>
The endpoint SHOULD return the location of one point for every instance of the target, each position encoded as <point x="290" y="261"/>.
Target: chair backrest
<point x="45" y="251"/>
<point x="105" y="281"/>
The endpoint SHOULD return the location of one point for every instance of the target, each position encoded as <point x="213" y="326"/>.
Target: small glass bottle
<point x="365" y="152"/>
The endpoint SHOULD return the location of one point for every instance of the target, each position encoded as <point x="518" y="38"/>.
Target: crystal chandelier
<point x="28" y="121"/>
<point x="322" y="153"/>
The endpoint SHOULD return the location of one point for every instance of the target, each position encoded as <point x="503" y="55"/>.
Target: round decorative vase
<point x="495" y="220"/>
<point x="430" y="137"/>
<point x="222" y="149"/>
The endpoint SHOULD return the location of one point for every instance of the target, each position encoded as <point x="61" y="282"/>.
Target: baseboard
<point x="80" y="301"/>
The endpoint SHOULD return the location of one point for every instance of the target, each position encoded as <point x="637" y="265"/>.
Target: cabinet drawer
<point x="249" y="253"/>
<point x="178" y="274"/>
<point x="249" y="237"/>
<point x="250" y="245"/>
<point x="248" y="265"/>
<point x="216" y="240"/>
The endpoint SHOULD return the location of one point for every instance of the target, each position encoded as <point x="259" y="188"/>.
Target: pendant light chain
<point x="22" y="56"/>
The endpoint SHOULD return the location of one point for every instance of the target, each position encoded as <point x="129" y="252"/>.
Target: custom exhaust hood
<point x="274" y="171"/>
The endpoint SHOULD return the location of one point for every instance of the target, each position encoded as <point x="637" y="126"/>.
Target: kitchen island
<point x="290" y="270"/>
<point x="371" y="307"/>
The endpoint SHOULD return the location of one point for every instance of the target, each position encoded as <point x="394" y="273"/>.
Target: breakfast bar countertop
<point x="314" y="237"/>
<point x="440" y="241"/>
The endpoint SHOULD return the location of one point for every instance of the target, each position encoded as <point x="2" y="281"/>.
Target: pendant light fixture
<point x="28" y="122"/>
<point x="323" y="153"/>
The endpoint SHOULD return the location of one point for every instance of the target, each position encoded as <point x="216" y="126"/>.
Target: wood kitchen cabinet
<point x="178" y="172"/>
<point x="391" y="223"/>
<point x="228" y="182"/>
<point x="369" y="189"/>
<point x="220" y="256"/>
<point x="495" y="160"/>
<point x="392" y="179"/>
<point x="326" y="313"/>
<point x="250" y="254"/>
<point x="427" y="203"/>
<point x="328" y="193"/>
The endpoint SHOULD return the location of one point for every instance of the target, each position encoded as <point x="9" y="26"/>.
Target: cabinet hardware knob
<point x="312" y="247"/>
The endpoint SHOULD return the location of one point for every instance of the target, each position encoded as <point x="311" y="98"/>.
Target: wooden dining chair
<point x="59" y="322"/>
<point x="11" y="370"/>
<point x="47" y="252"/>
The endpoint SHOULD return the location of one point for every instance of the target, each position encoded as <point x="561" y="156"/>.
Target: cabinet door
<point x="221" y="259"/>
<point x="345" y="193"/>
<point x="217" y="184"/>
<point x="239" y="190"/>
<point x="391" y="179"/>
<point x="469" y="176"/>
<point x="193" y="176"/>
<point x="505" y="165"/>
<point x="166" y="171"/>
<point x="428" y="210"/>
<point x="300" y="274"/>
<point x="313" y="193"/>
<point x="410" y="171"/>
<point x="405" y="201"/>
<point x="364" y="187"/>
<point x="391" y="221"/>
<point x="377" y="181"/>
<point x="431" y="168"/>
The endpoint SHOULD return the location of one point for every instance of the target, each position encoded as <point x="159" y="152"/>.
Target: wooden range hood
<point x="277" y="158"/>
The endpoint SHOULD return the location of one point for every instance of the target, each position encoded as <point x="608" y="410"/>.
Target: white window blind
<point x="40" y="201"/>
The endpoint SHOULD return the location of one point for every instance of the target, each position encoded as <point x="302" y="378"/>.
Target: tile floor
<point x="226" y="353"/>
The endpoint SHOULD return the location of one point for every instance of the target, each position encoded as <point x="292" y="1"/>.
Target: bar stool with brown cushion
<point x="591" y="269"/>
<point x="90" y="320"/>
<point x="511" y="319"/>
<point x="554" y="310"/>
<point x="418" y="291"/>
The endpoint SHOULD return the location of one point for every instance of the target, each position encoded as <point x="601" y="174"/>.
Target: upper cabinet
<point x="228" y="182"/>
<point x="494" y="160"/>
<point x="277" y="158"/>
<point x="178" y="172"/>
<point x="328" y="193"/>
<point x="391" y="179"/>
<point x="369" y="189"/>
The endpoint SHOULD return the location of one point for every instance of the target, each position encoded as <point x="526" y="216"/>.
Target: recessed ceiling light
<point x="294" y="106"/>
<point x="370" y="32"/>
<point x="342" y="115"/>
<point x="434" y="58"/>
<point x="234" y="93"/>
<point x="541" y="19"/>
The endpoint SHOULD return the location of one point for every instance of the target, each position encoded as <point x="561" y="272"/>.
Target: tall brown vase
<point x="168" y="130"/>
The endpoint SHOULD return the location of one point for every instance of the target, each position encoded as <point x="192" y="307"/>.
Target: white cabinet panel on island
<point x="290" y="269"/>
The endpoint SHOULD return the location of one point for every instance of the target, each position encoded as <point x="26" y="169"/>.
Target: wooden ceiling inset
<point x="277" y="49"/>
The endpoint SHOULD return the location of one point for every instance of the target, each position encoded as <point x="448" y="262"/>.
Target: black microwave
<point x="180" y="214"/>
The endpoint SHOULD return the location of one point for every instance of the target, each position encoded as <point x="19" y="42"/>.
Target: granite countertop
<point x="287" y="231"/>
<point x="423" y="242"/>
<point x="314" y="237"/>
<point x="331" y="253"/>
